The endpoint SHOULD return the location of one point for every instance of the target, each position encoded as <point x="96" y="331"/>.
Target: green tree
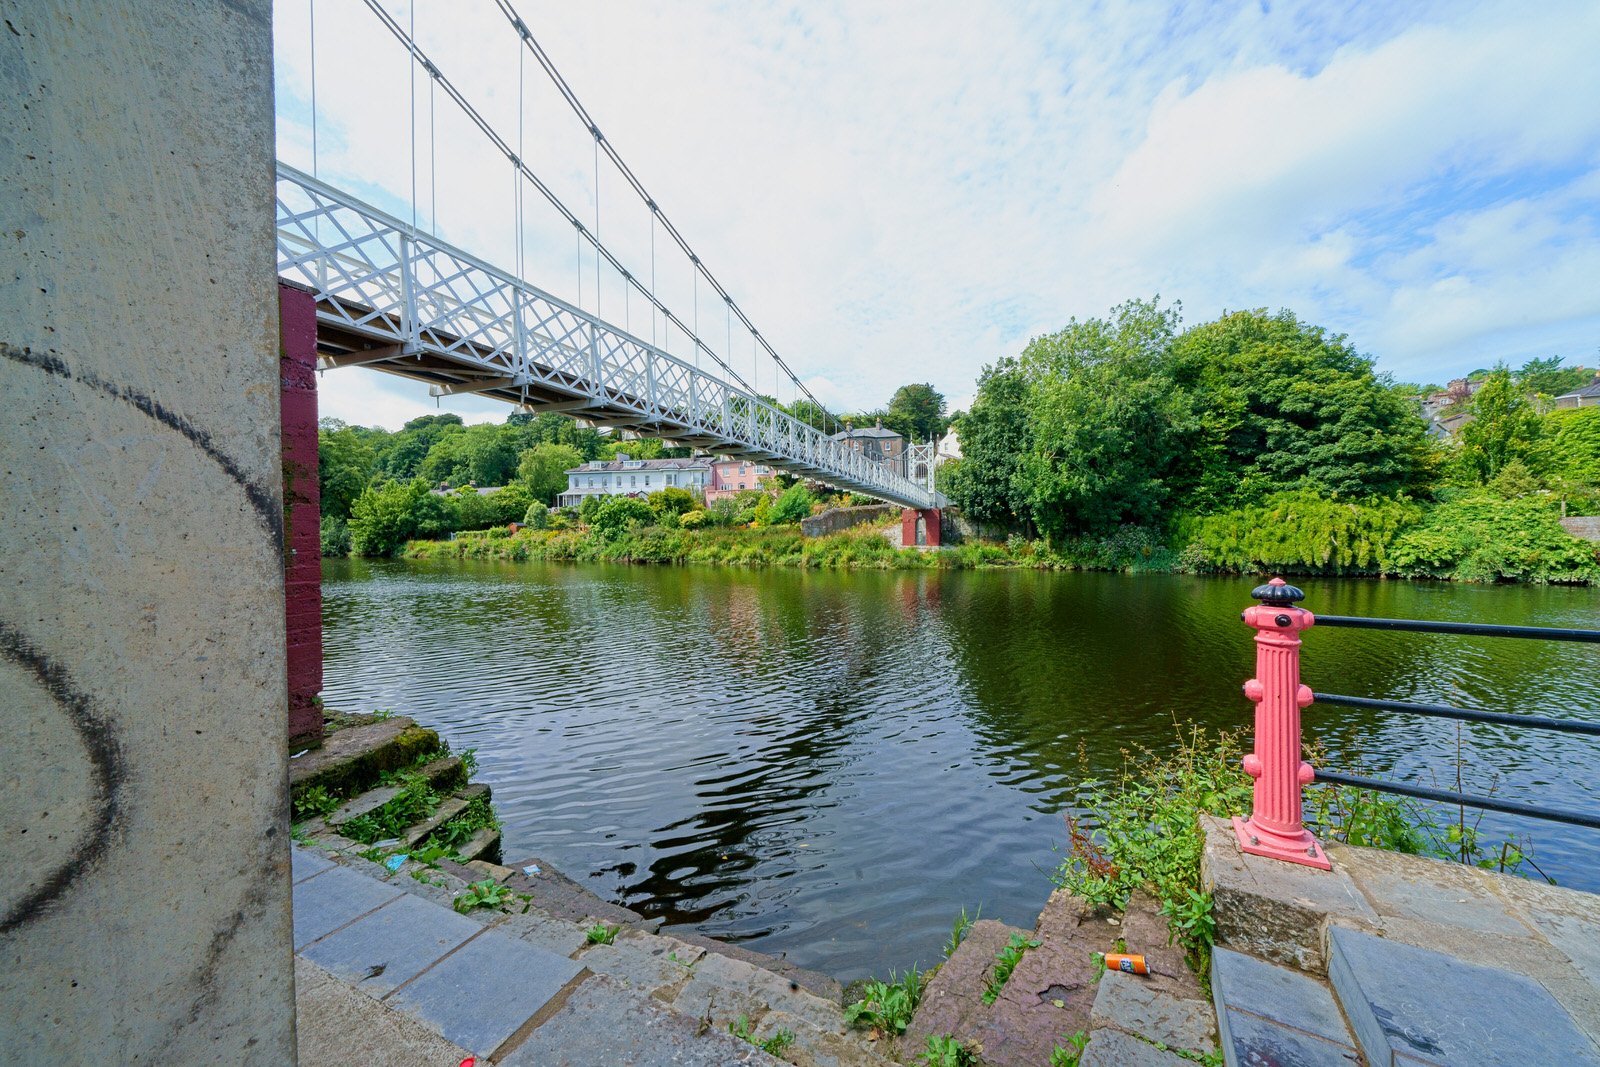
<point x="1549" y="377"/>
<point x="381" y="518"/>
<point x="792" y="506"/>
<point x="1505" y="426"/>
<point x="344" y="467"/>
<point x="1105" y="421"/>
<point x="1279" y="405"/>
<point x="1572" y="440"/>
<point x="994" y="438"/>
<point x="478" y="511"/>
<point x="917" y="412"/>
<point x="537" y="516"/>
<point x="588" y="508"/>
<point x="543" y="469"/>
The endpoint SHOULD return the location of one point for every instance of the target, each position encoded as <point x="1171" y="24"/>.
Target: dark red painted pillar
<point x="302" y="512"/>
<point x="930" y="527"/>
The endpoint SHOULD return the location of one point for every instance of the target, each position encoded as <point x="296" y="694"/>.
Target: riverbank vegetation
<point x="1252" y="444"/>
<point x="1259" y="442"/>
<point x="1141" y="829"/>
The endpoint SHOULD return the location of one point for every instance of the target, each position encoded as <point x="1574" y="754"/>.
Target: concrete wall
<point x="144" y="901"/>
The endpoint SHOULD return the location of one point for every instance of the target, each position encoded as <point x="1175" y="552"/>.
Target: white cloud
<point x="900" y="193"/>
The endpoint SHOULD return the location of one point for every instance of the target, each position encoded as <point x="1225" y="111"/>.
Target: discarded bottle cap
<point x="1130" y="964"/>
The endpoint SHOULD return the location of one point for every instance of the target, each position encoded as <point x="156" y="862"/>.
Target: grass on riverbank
<point x="1475" y="538"/>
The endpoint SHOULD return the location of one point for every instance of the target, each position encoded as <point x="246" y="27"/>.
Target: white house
<point x="625" y="476"/>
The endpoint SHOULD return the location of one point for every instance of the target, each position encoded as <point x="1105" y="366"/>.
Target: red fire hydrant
<point x="1274" y="828"/>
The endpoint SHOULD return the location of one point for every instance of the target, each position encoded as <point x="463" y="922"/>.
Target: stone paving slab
<point x="1251" y="1041"/>
<point x="381" y="951"/>
<point x="352" y="759"/>
<point x="1132" y="1004"/>
<point x="553" y="935"/>
<point x="602" y="1023"/>
<point x="824" y="986"/>
<point x="482" y="993"/>
<point x="1414" y="887"/>
<point x="443" y="814"/>
<point x="563" y="898"/>
<point x="662" y="969"/>
<point x="1271" y="909"/>
<point x="723" y="989"/>
<point x="1404" y="1000"/>
<point x="335" y="1026"/>
<point x="1109" y="1048"/>
<point x="363" y="804"/>
<point x="304" y="863"/>
<point x="815" y="1047"/>
<point x="1277" y="994"/>
<point x="326" y="901"/>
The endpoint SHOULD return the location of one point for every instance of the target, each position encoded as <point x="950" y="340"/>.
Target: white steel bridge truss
<point x="392" y="298"/>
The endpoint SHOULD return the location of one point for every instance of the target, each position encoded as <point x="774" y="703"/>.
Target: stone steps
<point x="1056" y="991"/>
<point x="701" y="991"/>
<point x="1398" y="959"/>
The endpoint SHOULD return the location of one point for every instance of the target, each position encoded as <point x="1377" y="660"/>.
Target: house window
<point x="591" y="483"/>
<point x="633" y="479"/>
<point x="741" y="485"/>
<point x="646" y="479"/>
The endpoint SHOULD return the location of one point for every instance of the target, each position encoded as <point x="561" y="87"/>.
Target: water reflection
<point x="830" y="765"/>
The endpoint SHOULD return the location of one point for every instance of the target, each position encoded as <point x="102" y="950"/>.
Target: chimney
<point x="880" y="424"/>
<point x="623" y="456"/>
<point x="848" y="428"/>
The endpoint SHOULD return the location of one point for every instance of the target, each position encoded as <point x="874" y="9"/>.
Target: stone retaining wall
<point x="1586" y="526"/>
<point x="836" y="519"/>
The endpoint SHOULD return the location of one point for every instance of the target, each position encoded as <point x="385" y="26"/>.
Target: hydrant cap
<point x="1277" y="594"/>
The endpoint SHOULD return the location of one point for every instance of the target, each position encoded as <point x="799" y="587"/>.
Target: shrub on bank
<point x="1486" y="539"/>
<point x="1301" y="532"/>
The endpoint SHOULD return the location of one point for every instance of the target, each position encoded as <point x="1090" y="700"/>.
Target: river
<point x="830" y="765"/>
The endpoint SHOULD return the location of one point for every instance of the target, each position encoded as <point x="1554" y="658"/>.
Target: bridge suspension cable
<point x="438" y="77"/>
<point x="601" y="142"/>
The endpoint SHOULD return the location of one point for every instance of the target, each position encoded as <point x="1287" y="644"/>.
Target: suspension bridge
<point x="394" y="298"/>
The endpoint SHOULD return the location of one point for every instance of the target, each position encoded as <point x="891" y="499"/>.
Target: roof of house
<point x="1592" y="389"/>
<point x="864" y="431"/>
<point x="619" y="465"/>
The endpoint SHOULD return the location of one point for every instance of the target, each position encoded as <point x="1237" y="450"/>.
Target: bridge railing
<point x="382" y="279"/>
<point x="1274" y="827"/>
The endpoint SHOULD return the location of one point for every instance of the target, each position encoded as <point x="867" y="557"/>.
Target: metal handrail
<point x="1474" y="629"/>
<point x="1444" y="711"/>
<point x="1422" y="792"/>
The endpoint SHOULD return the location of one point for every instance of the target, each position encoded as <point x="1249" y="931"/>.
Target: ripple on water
<point x="832" y="765"/>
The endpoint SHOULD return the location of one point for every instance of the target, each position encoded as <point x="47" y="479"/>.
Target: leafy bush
<point x="619" y="513"/>
<point x="588" y="508"/>
<point x="381" y="519"/>
<point x="1484" y="539"/>
<point x="672" y="501"/>
<point x="335" y="536"/>
<point x="792" y="506"/>
<point x="537" y="516"/>
<point x="1304" y="532"/>
<point x="694" y="520"/>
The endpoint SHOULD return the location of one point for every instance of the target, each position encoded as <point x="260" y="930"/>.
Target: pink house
<point x="730" y="475"/>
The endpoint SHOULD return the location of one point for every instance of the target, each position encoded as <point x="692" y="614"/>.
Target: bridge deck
<point x="395" y="299"/>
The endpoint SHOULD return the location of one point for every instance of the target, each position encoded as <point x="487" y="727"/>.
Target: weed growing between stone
<point x="1142" y="829"/>
<point x="1006" y="961"/>
<point x="314" y="802"/>
<point x="1068" y="1057"/>
<point x="485" y="894"/>
<point x="601" y="934"/>
<point x="776" y="1045"/>
<point x="945" y="1051"/>
<point x="477" y="815"/>
<point x="417" y="801"/>
<point x="889" y="1005"/>
<point x="959" y="931"/>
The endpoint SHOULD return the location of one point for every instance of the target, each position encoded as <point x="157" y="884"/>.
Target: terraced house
<point x="625" y="476"/>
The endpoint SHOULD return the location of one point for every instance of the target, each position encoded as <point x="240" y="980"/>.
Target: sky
<point x="898" y="192"/>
